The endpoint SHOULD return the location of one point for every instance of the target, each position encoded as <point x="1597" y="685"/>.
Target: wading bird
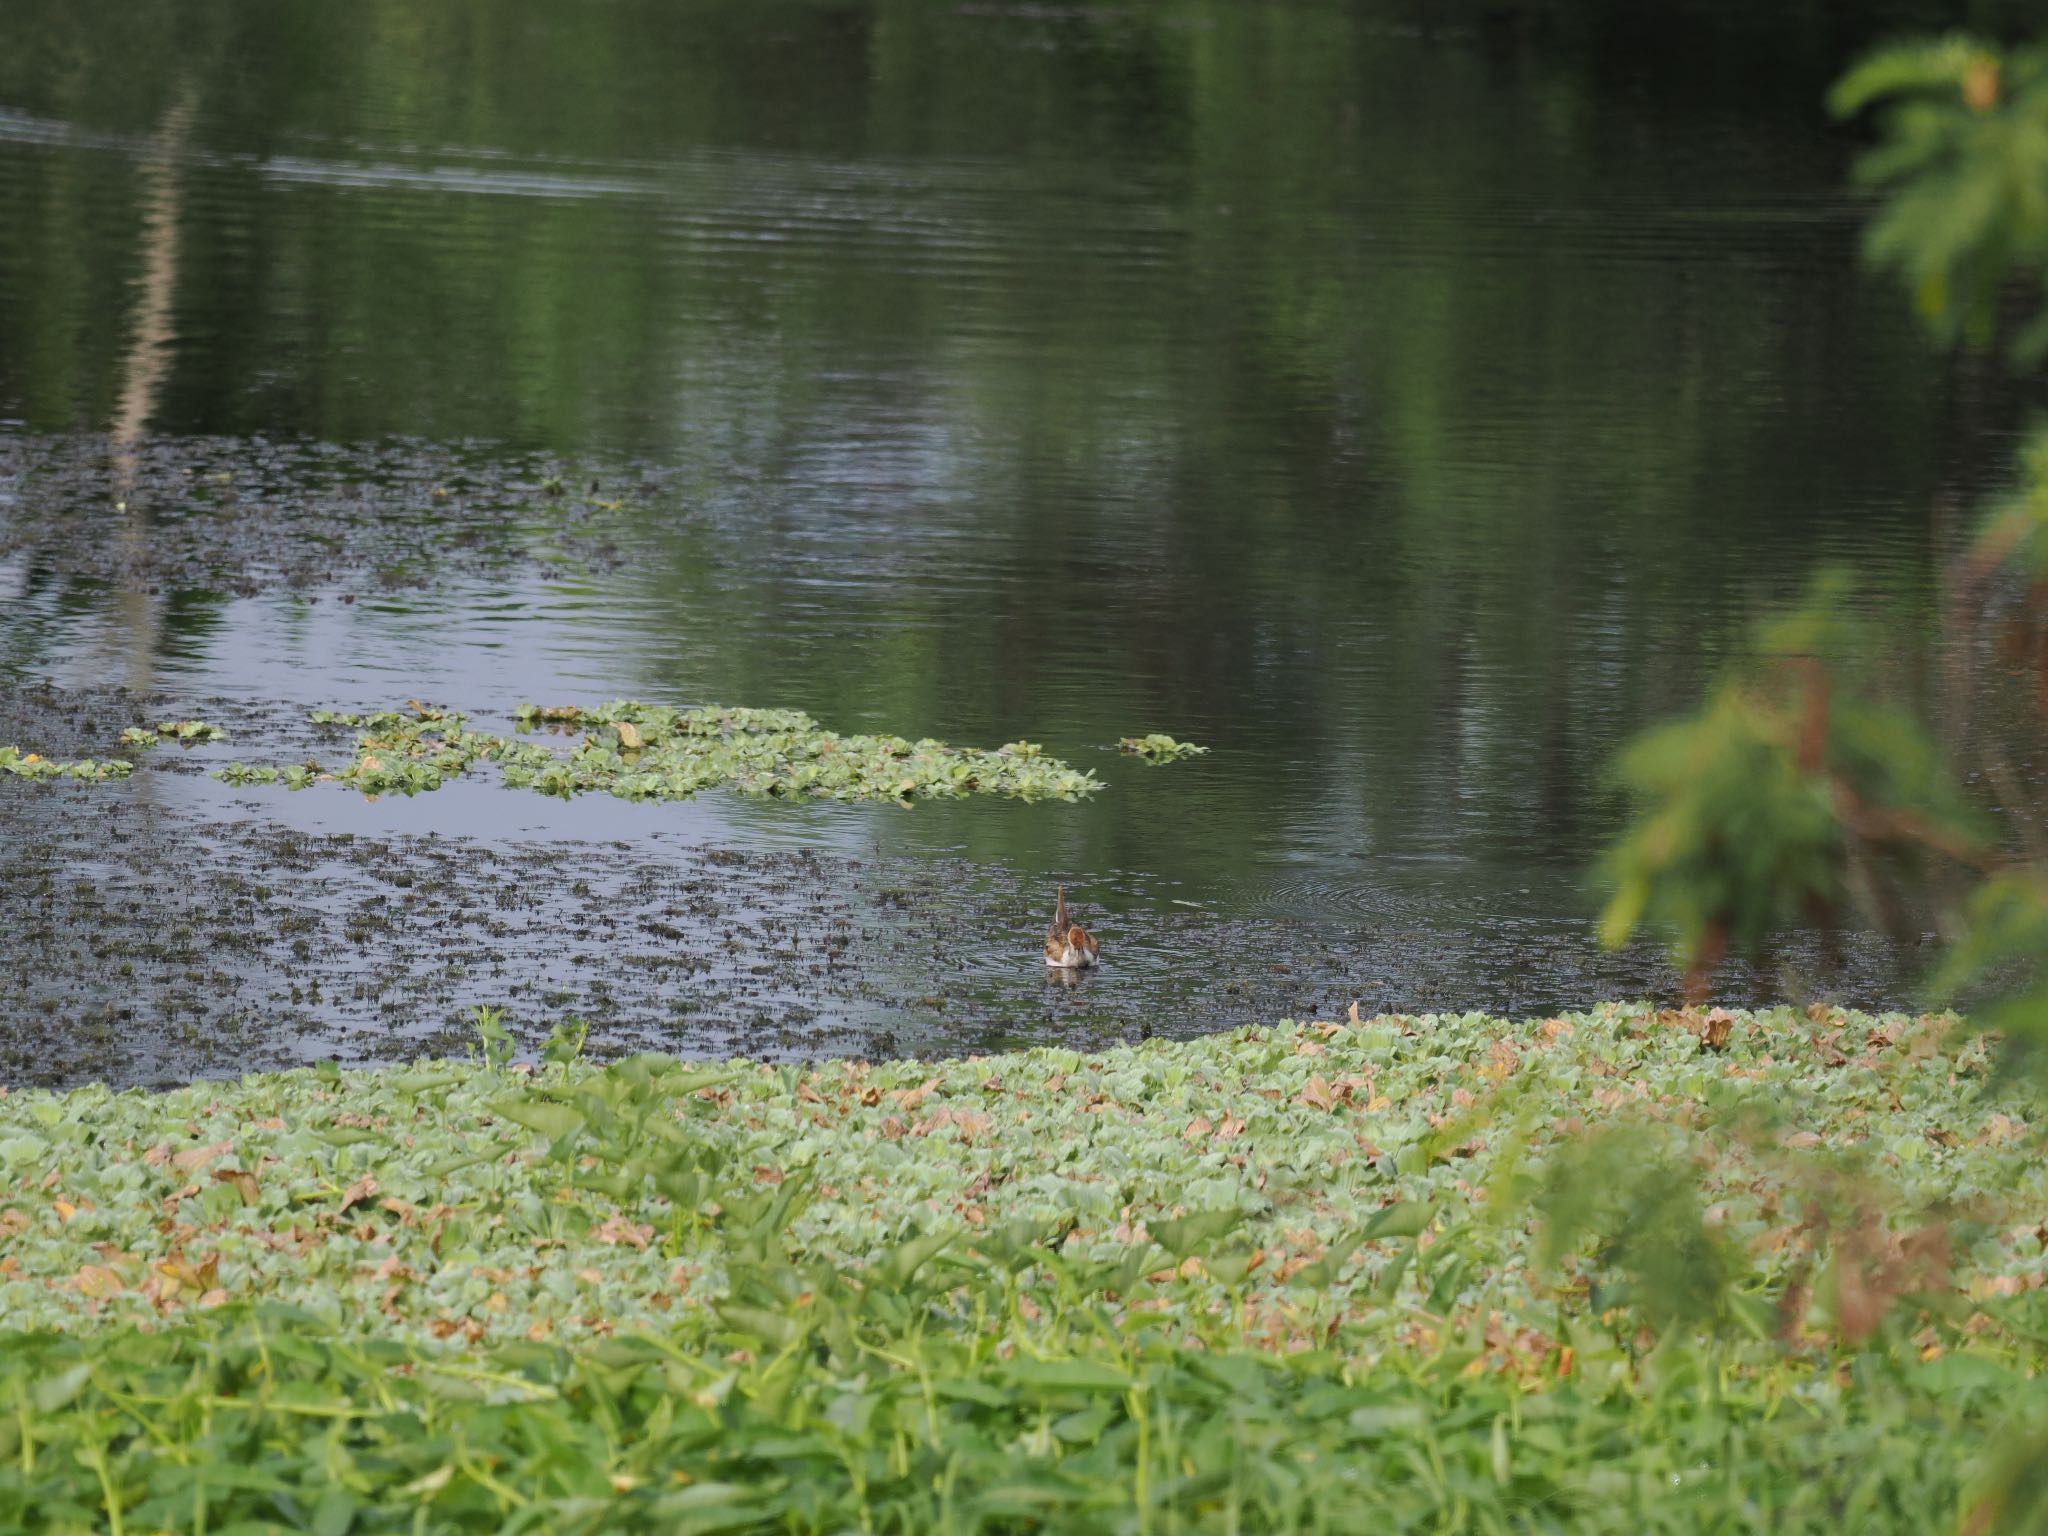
<point x="1068" y="945"/>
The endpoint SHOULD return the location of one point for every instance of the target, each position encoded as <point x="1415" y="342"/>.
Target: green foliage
<point x="1634" y="1190"/>
<point x="28" y="765"/>
<point x="1199" y="1285"/>
<point x="1734" y="835"/>
<point x="2016" y="532"/>
<point x="1358" y="1165"/>
<point x="1791" y="784"/>
<point x="1964" y="163"/>
<point x="565" y="1042"/>
<point x="1158" y="748"/>
<point x="1755" y="811"/>
<point x="2005" y="943"/>
<point x="259" y="1419"/>
<point x="495" y="1044"/>
<point x="184" y="732"/>
<point x="652" y="752"/>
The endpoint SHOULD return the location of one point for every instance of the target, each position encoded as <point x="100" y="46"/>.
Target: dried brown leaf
<point x="1317" y="1095"/>
<point x="193" y="1157"/>
<point x="242" y="1179"/>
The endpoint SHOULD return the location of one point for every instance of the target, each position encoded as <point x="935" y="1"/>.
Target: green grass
<point x="1433" y="1274"/>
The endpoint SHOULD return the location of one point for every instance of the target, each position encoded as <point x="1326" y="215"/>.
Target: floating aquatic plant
<point x="531" y="715"/>
<point x="1158" y="748"/>
<point x="190" y="731"/>
<point x="184" y="732"/>
<point x="640" y="751"/>
<point x="653" y="752"/>
<point x="1281" y="1272"/>
<point x="30" y="765"/>
<point x="413" y="753"/>
<point x="1324" y="1147"/>
<point x="295" y="776"/>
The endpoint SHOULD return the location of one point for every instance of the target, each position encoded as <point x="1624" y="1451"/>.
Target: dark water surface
<point x="1407" y="401"/>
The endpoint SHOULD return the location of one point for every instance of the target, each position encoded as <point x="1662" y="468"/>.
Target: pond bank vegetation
<point x="1624" y="1268"/>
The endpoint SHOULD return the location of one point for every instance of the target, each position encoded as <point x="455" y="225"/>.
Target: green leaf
<point x="549" y="1117"/>
<point x="1074" y="1375"/>
<point x="778" y="1330"/>
<point x="1185" y="1235"/>
<point x="896" y="1266"/>
<point x="1408" y="1218"/>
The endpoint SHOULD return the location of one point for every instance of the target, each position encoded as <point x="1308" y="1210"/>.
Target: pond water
<point x="1407" y="401"/>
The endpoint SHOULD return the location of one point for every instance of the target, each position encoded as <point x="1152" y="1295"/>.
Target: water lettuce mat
<point x="140" y="738"/>
<point x="1158" y="748"/>
<point x="1286" y="1279"/>
<point x="632" y="750"/>
<point x="32" y="765"/>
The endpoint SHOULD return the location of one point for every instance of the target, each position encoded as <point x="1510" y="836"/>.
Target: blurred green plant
<point x="1794" y="786"/>
<point x="494" y="1043"/>
<point x="1790" y="789"/>
<point x="1964" y="164"/>
<point x="1637" y="1192"/>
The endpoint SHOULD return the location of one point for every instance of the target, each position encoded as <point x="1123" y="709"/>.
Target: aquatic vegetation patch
<point x="293" y="776"/>
<point x="634" y="751"/>
<point x="639" y="751"/>
<point x="30" y="765"/>
<point x="1285" y="1146"/>
<point x="184" y="732"/>
<point x="1158" y="748"/>
<point x="416" y="752"/>
<point x="1280" y="1279"/>
<point x="652" y="752"/>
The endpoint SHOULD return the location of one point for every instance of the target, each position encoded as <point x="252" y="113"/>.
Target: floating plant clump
<point x="1361" y="1136"/>
<point x="653" y="752"/>
<point x="184" y="732"/>
<point x="1159" y="748"/>
<point x="1290" y="1254"/>
<point x="30" y="765"/>
<point x="293" y="776"/>
<point x="634" y="751"/>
